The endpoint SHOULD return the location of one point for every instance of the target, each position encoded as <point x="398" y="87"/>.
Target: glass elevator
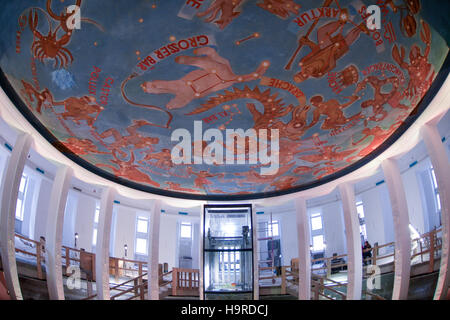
<point x="228" y="252"/>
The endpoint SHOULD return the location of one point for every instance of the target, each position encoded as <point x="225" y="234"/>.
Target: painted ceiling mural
<point x="114" y="85"/>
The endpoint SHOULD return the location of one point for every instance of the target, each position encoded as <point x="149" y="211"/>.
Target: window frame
<point x="21" y="196"/>
<point x="141" y="236"/>
<point x="185" y="224"/>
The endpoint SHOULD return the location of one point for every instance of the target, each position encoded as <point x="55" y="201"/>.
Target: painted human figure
<point x="420" y="71"/>
<point x="42" y="98"/>
<point x="172" y="186"/>
<point x="201" y="181"/>
<point x="380" y="96"/>
<point x="325" y="171"/>
<point x="379" y="136"/>
<point x="134" y="138"/>
<point x="227" y="13"/>
<point x="160" y="159"/>
<point x="283" y="183"/>
<point x="128" y="170"/>
<point x="79" y="109"/>
<point x="252" y="176"/>
<point x="332" y="109"/>
<point x="329" y="153"/>
<point x="328" y="49"/>
<point x="82" y="146"/>
<point x="215" y="74"/>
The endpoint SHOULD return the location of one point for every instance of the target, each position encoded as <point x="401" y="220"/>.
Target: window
<point x="317" y="235"/>
<point x="142" y="225"/>
<point x="316" y="221"/>
<point x="142" y="230"/>
<point x="141" y="246"/>
<point x="96" y="216"/>
<point x="186" y="230"/>
<point x="273" y="229"/>
<point x="436" y="190"/>
<point x="21" y="197"/>
<point x="362" y="220"/>
<point x="318" y="243"/>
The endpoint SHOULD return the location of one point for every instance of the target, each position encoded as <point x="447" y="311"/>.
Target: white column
<point x="255" y="256"/>
<point x="304" y="256"/>
<point x="53" y="232"/>
<point x="402" y="261"/>
<point x="441" y="166"/>
<point x="354" y="252"/>
<point x="9" y="191"/>
<point x="153" y="252"/>
<point x="102" y="247"/>
<point x="201" y="254"/>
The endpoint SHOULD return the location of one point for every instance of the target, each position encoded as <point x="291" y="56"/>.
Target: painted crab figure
<point x="49" y="46"/>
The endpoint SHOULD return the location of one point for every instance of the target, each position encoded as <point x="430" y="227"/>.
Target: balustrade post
<point x="67" y="252"/>
<point x="136" y="287"/>
<point x="116" y="269"/>
<point x="174" y="281"/>
<point x="431" y="253"/>
<point x="38" y="261"/>
<point x="374" y="254"/>
<point x="328" y="262"/>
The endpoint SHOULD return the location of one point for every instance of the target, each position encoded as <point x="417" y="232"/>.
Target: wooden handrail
<point x="128" y="281"/>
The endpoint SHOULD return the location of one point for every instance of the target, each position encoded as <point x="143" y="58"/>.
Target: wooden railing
<point x="139" y="288"/>
<point x="428" y="246"/>
<point x="121" y="267"/>
<point x="37" y="251"/>
<point x="185" y="282"/>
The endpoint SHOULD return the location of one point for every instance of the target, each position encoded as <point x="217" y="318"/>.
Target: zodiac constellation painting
<point x="113" y="90"/>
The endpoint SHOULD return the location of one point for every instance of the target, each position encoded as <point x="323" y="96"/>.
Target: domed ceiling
<point x="110" y="84"/>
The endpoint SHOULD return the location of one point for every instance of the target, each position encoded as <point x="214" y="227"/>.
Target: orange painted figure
<point x="227" y="13"/>
<point x="280" y="8"/>
<point x="82" y="146"/>
<point x="297" y="126"/>
<point x="42" y="98"/>
<point x="272" y="111"/>
<point x="201" y="182"/>
<point x="329" y="153"/>
<point x="328" y="49"/>
<point x="51" y="46"/>
<point x="379" y="136"/>
<point x="252" y="177"/>
<point x="134" y="138"/>
<point x="332" y="109"/>
<point x="79" y="109"/>
<point x="283" y="183"/>
<point x="326" y="171"/>
<point x="172" y="186"/>
<point x="128" y="170"/>
<point x="160" y="159"/>
<point x="421" y="72"/>
<point x="381" y="98"/>
<point x="215" y="74"/>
